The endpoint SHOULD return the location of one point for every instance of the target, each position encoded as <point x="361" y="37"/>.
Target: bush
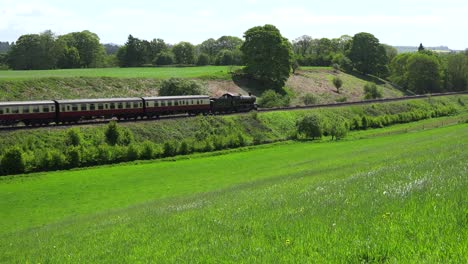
<point x="312" y="126"/>
<point x="148" y="151"/>
<point x="170" y="149"/>
<point x="310" y="99"/>
<point x="73" y="137"/>
<point x="12" y="161"/>
<point x="177" y="86"/>
<point x="338" y="127"/>
<point x="74" y="156"/>
<point x="125" y="137"/>
<point x="371" y="91"/>
<point x="132" y="153"/>
<point x="271" y="98"/>
<point x="338" y="83"/>
<point x="112" y="133"/>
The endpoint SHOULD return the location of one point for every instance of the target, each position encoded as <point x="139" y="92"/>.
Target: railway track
<point x="182" y="116"/>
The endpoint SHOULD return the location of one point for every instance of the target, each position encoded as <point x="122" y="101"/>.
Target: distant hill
<point x="403" y="49"/>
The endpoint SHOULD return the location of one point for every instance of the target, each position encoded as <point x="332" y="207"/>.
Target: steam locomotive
<point x="73" y="111"/>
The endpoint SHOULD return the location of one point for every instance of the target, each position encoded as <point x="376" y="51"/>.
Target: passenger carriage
<point x="165" y="105"/>
<point x="30" y="113"/>
<point x="84" y="109"/>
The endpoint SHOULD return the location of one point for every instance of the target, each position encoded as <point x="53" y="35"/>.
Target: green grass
<point x="213" y="72"/>
<point x="399" y="198"/>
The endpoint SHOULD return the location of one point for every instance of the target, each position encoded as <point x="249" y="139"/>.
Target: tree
<point x="457" y="71"/>
<point x="423" y="73"/>
<point x="73" y="137"/>
<point x="225" y="57"/>
<point x="312" y="126"/>
<point x="133" y="53"/>
<point x="203" y="59"/>
<point x="91" y="52"/>
<point x="267" y="55"/>
<point x="338" y="83"/>
<point x="35" y="52"/>
<point x="368" y="55"/>
<point x="421" y="47"/>
<point x="184" y="53"/>
<point x="302" y="45"/>
<point x="338" y="127"/>
<point x="398" y="69"/>
<point x="164" y="58"/>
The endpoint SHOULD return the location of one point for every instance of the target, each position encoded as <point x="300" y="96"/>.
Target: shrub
<point x="371" y="91"/>
<point x="125" y="137"/>
<point x="170" y="149"/>
<point x="184" y="148"/>
<point x="310" y="99"/>
<point x="312" y="126"/>
<point x="132" y="153"/>
<point x="338" y="127"/>
<point x="271" y="98"/>
<point x="112" y="133"/>
<point x="148" y="150"/>
<point x="338" y="83"/>
<point x="12" y="161"/>
<point x="73" y="156"/>
<point x="73" y="137"/>
<point x="177" y="86"/>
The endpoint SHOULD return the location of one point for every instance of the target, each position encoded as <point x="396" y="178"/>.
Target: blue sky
<point x="394" y="22"/>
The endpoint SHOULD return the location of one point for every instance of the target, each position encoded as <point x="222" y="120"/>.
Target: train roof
<point x="99" y="100"/>
<point x="181" y="97"/>
<point x="23" y="103"/>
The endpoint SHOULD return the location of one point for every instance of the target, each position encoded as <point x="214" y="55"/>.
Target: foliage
<point x="267" y="55"/>
<point x="203" y="59"/>
<point x="164" y="58"/>
<point x="457" y="72"/>
<point x="371" y="91"/>
<point x="312" y="126"/>
<point x="90" y="51"/>
<point x="184" y="53"/>
<point x="338" y="127"/>
<point x="177" y="86"/>
<point x="112" y="133"/>
<point x="337" y="82"/>
<point x="133" y="53"/>
<point x="271" y="98"/>
<point x="310" y="99"/>
<point x="74" y="137"/>
<point x="423" y="73"/>
<point x="368" y="55"/>
<point x="12" y="161"/>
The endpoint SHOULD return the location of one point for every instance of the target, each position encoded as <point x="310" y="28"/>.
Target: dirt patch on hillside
<point x="218" y="88"/>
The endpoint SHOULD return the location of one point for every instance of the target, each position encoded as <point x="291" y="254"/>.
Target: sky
<point x="394" y="22"/>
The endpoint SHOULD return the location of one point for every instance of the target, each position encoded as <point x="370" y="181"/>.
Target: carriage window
<point x="106" y="106"/>
<point x="83" y="107"/>
<point x="128" y="105"/>
<point x="1" y="111"/>
<point x="169" y="103"/>
<point x="68" y="107"/>
<point x="52" y="108"/>
<point x="112" y="106"/>
<point x="74" y="107"/>
<point x="140" y="104"/>
<point x="92" y="107"/>
<point x="176" y="103"/>
<point x="7" y="110"/>
<point x="14" y="110"/>
<point x="45" y="109"/>
<point x="100" y="106"/>
<point x="119" y="105"/>
<point x="62" y="108"/>
<point x="25" y="109"/>
<point x="36" y="109"/>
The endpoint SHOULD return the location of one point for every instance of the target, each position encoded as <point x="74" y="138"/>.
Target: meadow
<point x="371" y="198"/>
<point x="210" y="72"/>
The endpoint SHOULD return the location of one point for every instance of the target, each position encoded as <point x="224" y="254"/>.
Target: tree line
<point x="268" y="57"/>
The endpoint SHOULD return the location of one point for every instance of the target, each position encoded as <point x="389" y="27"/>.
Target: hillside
<point x="94" y="83"/>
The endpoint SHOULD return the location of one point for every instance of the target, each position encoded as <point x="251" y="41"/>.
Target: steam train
<point x="73" y="111"/>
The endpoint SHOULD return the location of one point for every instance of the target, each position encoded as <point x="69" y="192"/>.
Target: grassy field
<point x="398" y="198"/>
<point x="213" y="72"/>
